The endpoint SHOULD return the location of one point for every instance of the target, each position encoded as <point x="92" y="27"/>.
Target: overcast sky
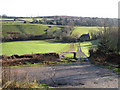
<point x="84" y="8"/>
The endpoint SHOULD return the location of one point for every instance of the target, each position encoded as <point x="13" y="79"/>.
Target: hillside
<point x="27" y="28"/>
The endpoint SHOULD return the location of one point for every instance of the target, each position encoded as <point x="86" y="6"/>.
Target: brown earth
<point x="31" y="58"/>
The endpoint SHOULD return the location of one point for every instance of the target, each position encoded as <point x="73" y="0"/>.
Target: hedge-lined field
<point x="27" y="28"/>
<point x="43" y="46"/>
<point x="29" y="47"/>
<point x="31" y="19"/>
<point x="83" y="30"/>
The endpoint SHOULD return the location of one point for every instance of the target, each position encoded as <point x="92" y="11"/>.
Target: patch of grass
<point x="22" y="84"/>
<point x="26" y="19"/>
<point x="70" y="55"/>
<point x="44" y="63"/>
<point x="113" y="67"/>
<point x="69" y="60"/>
<point x="27" y="65"/>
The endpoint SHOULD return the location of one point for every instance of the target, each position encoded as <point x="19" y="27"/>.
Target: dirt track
<point x="78" y="75"/>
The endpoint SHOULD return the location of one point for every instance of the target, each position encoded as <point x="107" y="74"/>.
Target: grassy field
<point x="31" y="19"/>
<point x="43" y="46"/>
<point x="27" y="28"/>
<point x="19" y="21"/>
<point x="29" y="47"/>
<point x="9" y="22"/>
<point x="83" y="30"/>
<point x="6" y="19"/>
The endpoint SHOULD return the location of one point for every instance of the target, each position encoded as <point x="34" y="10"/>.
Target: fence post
<point x="74" y="55"/>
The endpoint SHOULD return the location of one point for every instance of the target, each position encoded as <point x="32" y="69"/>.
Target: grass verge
<point x="113" y="67"/>
<point x="45" y="63"/>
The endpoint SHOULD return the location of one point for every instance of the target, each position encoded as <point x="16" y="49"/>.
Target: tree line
<point x="63" y="34"/>
<point x="70" y="20"/>
<point x="108" y="48"/>
<point x="75" y="21"/>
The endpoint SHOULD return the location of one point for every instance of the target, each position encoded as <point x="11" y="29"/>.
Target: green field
<point x="43" y="46"/>
<point x="8" y="22"/>
<point x="27" y="28"/>
<point x="83" y="30"/>
<point x="31" y="19"/>
<point x="6" y="19"/>
<point x="29" y="47"/>
<point x="20" y="20"/>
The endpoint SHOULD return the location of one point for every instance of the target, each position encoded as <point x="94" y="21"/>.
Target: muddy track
<point x="78" y="75"/>
<point x="80" y="54"/>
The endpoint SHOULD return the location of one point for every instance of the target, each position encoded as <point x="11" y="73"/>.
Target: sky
<point x="83" y="8"/>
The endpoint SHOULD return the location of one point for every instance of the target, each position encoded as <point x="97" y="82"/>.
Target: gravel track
<point x="74" y="75"/>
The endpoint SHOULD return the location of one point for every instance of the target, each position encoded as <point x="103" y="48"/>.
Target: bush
<point x="68" y="39"/>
